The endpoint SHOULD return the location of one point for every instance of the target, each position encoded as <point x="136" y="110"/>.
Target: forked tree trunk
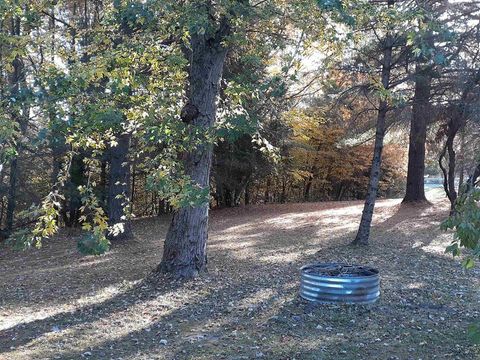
<point x="454" y="125"/>
<point x="363" y="233"/>
<point x="415" y="191"/>
<point x="184" y="252"/>
<point x="119" y="188"/>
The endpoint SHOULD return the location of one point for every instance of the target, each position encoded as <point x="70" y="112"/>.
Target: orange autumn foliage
<point x="321" y="161"/>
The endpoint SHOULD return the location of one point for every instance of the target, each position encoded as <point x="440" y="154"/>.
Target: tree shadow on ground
<point x="248" y="306"/>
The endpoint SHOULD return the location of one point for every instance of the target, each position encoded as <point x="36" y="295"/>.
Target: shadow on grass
<point x="252" y="308"/>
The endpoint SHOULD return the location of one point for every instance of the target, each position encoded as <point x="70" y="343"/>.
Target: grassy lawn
<point x="57" y="304"/>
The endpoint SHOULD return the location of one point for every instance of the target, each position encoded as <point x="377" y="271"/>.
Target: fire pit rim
<point x="375" y="272"/>
<point x="337" y="289"/>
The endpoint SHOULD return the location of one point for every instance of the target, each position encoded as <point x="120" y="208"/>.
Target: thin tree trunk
<point x="119" y="188"/>
<point x="472" y="180"/>
<point x="283" y="196"/>
<point x="308" y="186"/>
<point x="103" y="181"/>
<point x="461" y="177"/>
<point x="77" y="178"/>
<point x="453" y="127"/>
<point x="247" y="194"/>
<point x="134" y="184"/>
<point x="363" y="233"/>
<point x="12" y="195"/>
<point x="184" y="252"/>
<point x="415" y="191"/>
<point x="16" y="80"/>
<point x="267" y="191"/>
<point x="341" y="192"/>
<point x="451" y="171"/>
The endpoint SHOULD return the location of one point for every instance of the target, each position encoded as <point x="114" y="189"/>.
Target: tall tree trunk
<point x="77" y="178"/>
<point x="363" y="233"/>
<point x="15" y="80"/>
<point x="415" y="191"/>
<point x="119" y="188"/>
<point x="184" y="252"/>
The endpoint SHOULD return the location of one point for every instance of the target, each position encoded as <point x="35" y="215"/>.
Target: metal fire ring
<point x="335" y="283"/>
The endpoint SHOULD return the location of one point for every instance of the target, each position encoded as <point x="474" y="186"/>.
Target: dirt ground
<point x="57" y="304"/>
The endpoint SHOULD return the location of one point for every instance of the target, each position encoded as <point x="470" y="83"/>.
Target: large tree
<point x="184" y="252"/>
<point x="15" y="27"/>
<point x="421" y="115"/>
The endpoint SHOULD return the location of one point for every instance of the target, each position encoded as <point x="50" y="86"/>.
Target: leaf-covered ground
<point x="57" y="304"/>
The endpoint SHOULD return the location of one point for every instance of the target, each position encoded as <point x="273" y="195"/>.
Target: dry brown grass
<point x="57" y="304"/>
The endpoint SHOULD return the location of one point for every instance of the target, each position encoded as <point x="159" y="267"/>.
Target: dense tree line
<point x="116" y="109"/>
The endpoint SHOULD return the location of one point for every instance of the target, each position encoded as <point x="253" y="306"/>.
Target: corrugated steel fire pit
<point x="339" y="283"/>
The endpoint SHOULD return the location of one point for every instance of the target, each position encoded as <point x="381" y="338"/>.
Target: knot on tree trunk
<point x="189" y="113"/>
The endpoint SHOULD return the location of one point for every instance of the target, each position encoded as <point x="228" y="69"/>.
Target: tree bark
<point x="103" y="181"/>
<point x="283" y="196"/>
<point x="461" y="176"/>
<point x="453" y="126"/>
<point x="363" y="233"/>
<point x="77" y="178"/>
<point x="184" y="252"/>
<point x="247" y="194"/>
<point x="267" y="191"/>
<point x="472" y="179"/>
<point x="15" y="80"/>
<point x="341" y="191"/>
<point x="12" y="196"/>
<point x="119" y="188"/>
<point x="415" y="191"/>
<point x="308" y="186"/>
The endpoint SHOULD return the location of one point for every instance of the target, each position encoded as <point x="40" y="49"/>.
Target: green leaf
<point x="439" y="59"/>
<point x="474" y="333"/>
<point x="468" y="263"/>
